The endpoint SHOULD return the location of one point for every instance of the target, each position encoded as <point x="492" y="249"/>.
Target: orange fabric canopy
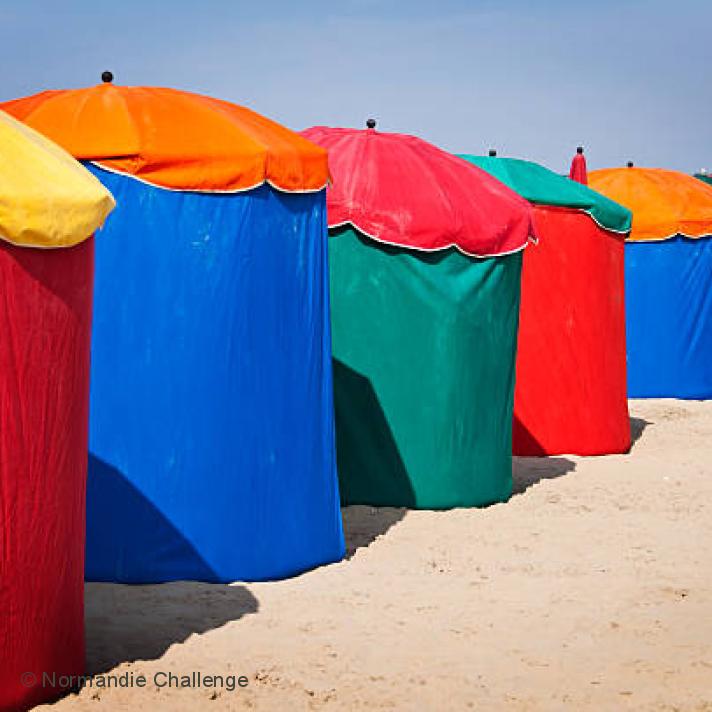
<point x="174" y="139"/>
<point x="664" y="203"/>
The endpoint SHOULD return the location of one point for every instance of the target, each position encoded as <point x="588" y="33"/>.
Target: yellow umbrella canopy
<point x="47" y="199"/>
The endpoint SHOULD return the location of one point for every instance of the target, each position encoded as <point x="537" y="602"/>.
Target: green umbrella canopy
<point x="704" y="177"/>
<point x="541" y="186"/>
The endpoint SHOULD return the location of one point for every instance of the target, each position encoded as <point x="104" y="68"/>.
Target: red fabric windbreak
<point x="570" y="394"/>
<point x="45" y="328"/>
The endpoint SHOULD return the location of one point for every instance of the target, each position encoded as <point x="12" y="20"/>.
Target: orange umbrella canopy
<point x="664" y="203"/>
<point x="174" y="139"/>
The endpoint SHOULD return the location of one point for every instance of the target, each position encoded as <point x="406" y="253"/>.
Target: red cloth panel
<point x="570" y="394"/>
<point x="45" y="330"/>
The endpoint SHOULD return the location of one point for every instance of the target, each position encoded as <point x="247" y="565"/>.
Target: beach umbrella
<point x="211" y="432"/>
<point x="49" y="208"/>
<point x="668" y="280"/>
<point x="570" y="393"/>
<point x="425" y="259"/>
<point x="705" y="177"/>
<point x="578" y="170"/>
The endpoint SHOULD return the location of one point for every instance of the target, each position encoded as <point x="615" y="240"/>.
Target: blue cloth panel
<point x="211" y="431"/>
<point x="669" y="318"/>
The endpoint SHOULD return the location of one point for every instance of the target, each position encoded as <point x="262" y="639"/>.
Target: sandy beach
<point x="591" y="589"/>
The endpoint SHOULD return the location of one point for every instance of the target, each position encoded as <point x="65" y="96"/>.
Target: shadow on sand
<point x="527" y="471"/>
<point x="132" y="622"/>
<point x="127" y="622"/>
<point x="537" y="465"/>
<point x="637" y="428"/>
<point x="363" y="524"/>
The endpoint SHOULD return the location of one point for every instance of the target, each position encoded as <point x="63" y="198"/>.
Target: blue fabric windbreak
<point x="212" y="450"/>
<point x="669" y="318"/>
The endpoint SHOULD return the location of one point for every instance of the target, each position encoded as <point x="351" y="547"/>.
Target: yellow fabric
<point x="664" y="203"/>
<point x="47" y="199"/>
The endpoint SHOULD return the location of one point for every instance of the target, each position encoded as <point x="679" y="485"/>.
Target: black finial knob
<point x="107" y="77"/>
<point x="579" y="149"/>
<point x="630" y="164"/>
<point x="493" y="152"/>
<point x="371" y="124"/>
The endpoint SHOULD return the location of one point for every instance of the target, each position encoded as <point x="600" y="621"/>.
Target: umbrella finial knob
<point x="371" y="124"/>
<point x="630" y="164"/>
<point x="492" y="152"/>
<point x="107" y="77"/>
<point x="579" y="149"/>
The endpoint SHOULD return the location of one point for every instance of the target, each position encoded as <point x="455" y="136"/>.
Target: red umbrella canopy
<point x="404" y="191"/>
<point x="578" y="170"/>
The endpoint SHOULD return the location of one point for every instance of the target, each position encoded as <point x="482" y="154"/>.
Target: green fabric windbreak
<point x="544" y="187"/>
<point x="424" y="347"/>
<point x="704" y="177"/>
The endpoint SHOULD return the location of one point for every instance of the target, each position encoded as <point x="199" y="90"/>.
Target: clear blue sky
<point x="628" y="79"/>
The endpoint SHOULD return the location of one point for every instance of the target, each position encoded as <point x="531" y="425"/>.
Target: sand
<point x="591" y="589"/>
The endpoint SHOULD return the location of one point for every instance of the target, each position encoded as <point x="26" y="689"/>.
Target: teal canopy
<point x="541" y="186"/>
<point x="704" y="177"/>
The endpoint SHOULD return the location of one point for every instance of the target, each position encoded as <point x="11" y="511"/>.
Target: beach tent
<point x="668" y="280"/>
<point x="49" y="208"/>
<point x="425" y="259"/>
<point x="570" y="395"/>
<point x="211" y="432"/>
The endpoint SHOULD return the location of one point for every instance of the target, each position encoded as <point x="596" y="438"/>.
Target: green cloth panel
<point x="704" y="177"/>
<point x="544" y="187"/>
<point x="424" y="347"/>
